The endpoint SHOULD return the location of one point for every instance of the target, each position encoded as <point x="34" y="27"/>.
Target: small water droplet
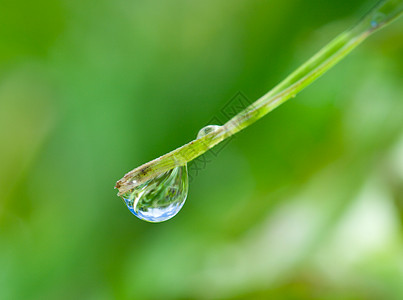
<point x="377" y="19"/>
<point x="208" y="129"/>
<point x="161" y="198"/>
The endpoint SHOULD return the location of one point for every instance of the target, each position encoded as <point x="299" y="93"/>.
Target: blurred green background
<point x="305" y="204"/>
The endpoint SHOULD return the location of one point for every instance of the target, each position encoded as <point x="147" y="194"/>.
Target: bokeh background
<point x="305" y="204"/>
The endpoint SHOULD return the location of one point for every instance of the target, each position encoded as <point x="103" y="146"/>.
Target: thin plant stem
<point x="381" y="15"/>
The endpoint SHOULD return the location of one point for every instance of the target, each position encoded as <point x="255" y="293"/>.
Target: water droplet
<point x="377" y="19"/>
<point x="161" y="198"/>
<point x="208" y="129"/>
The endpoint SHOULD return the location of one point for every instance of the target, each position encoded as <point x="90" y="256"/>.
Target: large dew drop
<point x="161" y="198"/>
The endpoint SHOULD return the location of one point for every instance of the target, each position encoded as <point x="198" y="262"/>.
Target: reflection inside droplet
<point x="160" y="198"/>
